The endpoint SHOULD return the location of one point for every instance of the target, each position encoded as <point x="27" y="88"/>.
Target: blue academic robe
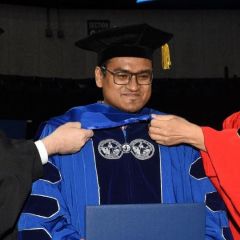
<point x="56" y="206"/>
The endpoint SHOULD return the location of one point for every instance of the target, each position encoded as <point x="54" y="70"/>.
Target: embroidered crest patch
<point x="112" y="149"/>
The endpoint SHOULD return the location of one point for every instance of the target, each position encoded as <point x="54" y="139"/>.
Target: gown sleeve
<point x="222" y="164"/>
<point x="20" y="165"/>
<point x="45" y="215"/>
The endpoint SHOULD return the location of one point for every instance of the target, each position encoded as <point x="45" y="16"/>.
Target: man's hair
<point x="103" y="67"/>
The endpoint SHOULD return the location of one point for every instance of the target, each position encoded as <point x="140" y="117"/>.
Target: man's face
<point x="132" y="96"/>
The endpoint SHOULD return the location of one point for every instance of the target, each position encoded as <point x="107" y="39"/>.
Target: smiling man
<point x="121" y="164"/>
<point x="126" y="82"/>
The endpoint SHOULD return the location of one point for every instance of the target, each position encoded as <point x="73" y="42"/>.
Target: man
<point x="21" y="163"/>
<point x="220" y="152"/>
<point x="121" y="164"/>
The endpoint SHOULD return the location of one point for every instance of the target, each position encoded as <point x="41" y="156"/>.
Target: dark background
<point x="130" y="4"/>
<point x="205" y="101"/>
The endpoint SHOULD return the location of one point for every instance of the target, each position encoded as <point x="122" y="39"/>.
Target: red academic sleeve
<point x="222" y="165"/>
<point x="233" y="121"/>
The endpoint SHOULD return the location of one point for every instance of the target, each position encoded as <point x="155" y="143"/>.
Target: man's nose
<point x="133" y="84"/>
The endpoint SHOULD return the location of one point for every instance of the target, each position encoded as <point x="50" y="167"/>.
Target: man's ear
<point x="98" y="77"/>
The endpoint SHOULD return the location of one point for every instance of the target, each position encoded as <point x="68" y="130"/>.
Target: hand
<point x="68" y="138"/>
<point x="170" y="130"/>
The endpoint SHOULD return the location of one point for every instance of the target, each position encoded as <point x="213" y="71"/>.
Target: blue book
<point x="146" y="222"/>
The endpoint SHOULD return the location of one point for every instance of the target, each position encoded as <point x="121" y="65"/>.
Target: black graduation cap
<point x="129" y="41"/>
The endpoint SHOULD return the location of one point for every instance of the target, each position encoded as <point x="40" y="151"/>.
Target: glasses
<point x="123" y="78"/>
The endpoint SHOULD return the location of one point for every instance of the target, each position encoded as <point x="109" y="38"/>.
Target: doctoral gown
<point x="120" y="164"/>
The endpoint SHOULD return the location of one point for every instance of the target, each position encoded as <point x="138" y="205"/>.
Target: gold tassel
<point x="166" y="61"/>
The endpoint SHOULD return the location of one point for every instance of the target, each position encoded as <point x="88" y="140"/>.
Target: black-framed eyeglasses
<point x="124" y="77"/>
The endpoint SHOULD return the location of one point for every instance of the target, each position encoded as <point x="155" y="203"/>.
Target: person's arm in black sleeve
<point x="20" y="164"/>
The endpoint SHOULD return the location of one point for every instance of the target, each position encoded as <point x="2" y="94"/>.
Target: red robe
<point x="222" y="165"/>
